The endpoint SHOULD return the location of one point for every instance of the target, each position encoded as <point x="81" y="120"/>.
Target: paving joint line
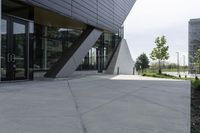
<point x="77" y="108"/>
<point x="150" y="101"/>
<point x="112" y="100"/>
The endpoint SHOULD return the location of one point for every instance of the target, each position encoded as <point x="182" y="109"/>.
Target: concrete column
<point x="122" y="62"/>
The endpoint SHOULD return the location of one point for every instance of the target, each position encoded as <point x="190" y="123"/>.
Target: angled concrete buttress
<point x="122" y="62"/>
<point x="72" y="57"/>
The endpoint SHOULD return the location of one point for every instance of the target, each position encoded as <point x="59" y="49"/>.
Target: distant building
<point x="194" y="42"/>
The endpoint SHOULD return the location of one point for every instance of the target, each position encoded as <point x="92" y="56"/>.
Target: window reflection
<point x="50" y="43"/>
<point x="99" y="55"/>
<point x="3" y="47"/>
<point x="19" y="41"/>
<point x="54" y="51"/>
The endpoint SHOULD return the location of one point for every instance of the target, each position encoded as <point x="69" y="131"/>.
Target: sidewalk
<point x="96" y="104"/>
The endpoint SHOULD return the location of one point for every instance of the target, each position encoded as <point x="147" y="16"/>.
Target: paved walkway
<point x="96" y="104"/>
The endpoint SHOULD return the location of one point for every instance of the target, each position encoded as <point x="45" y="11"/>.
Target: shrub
<point x="196" y="84"/>
<point x="157" y="75"/>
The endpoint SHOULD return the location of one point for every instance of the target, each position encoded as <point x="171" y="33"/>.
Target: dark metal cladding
<point x="104" y="14"/>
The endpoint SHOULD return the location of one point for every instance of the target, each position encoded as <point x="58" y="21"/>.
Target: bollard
<point x="117" y="70"/>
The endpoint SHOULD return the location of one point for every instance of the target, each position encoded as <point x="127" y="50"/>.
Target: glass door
<point x="19" y="42"/>
<point x="4" y="42"/>
<point x="14" y="49"/>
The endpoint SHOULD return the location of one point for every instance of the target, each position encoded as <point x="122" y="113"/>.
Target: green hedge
<point x="157" y="75"/>
<point x="196" y="84"/>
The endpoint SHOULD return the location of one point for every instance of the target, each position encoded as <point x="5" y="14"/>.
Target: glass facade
<point x="50" y="42"/>
<point x="3" y="47"/>
<point x="38" y="43"/>
<point x="99" y="55"/>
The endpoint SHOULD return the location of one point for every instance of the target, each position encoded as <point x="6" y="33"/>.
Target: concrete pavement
<point x="96" y="104"/>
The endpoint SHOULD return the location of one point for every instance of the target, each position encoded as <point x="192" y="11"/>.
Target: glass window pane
<point x="19" y="41"/>
<point x="3" y="47"/>
<point x="50" y="43"/>
<point x="54" y="51"/>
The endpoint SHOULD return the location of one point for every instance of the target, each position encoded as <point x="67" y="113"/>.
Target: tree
<point x="160" y="52"/>
<point x="142" y="62"/>
<point x="197" y="59"/>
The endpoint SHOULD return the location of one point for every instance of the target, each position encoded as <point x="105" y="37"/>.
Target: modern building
<point x="54" y="38"/>
<point x="194" y="42"/>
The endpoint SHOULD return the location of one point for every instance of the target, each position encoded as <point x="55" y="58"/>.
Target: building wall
<point x="105" y="14"/>
<point x="194" y="41"/>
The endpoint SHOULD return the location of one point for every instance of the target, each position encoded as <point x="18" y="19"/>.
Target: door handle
<point x="9" y="57"/>
<point x="12" y="57"/>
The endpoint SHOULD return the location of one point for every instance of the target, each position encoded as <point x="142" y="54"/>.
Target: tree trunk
<point x="199" y="68"/>
<point x="159" y="65"/>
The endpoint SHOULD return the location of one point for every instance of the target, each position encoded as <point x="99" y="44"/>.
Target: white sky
<point x="151" y="18"/>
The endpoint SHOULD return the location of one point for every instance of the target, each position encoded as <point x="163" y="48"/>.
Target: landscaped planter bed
<point x="195" y="110"/>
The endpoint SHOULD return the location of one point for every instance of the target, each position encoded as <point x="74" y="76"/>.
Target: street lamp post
<point x="177" y="62"/>
<point x="183" y="63"/>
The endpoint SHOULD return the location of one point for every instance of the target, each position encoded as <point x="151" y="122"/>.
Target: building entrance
<point x="14" y="48"/>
